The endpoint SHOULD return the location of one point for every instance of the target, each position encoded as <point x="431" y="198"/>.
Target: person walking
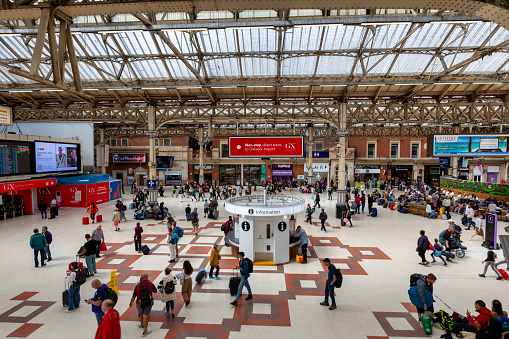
<point x="116" y="218"/>
<point x="43" y="209"/>
<point x="470" y="215"/>
<point x="214" y="261"/>
<point x="187" y="285"/>
<point x="349" y="214"/>
<point x="138" y="230"/>
<point x="188" y="212"/>
<point x="490" y="262"/>
<point x="478" y="227"/>
<point x="74" y="286"/>
<point x="49" y="240"/>
<point x="172" y="240"/>
<point x="92" y="210"/>
<point x="437" y="252"/>
<point x="98" y="235"/>
<point x="323" y="217"/>
<point x="89" y="251"/>
<point x="357" y="204"/>
<point x="167" y="287"/>
<point x="363" y="201"/>
<point x="244" y="272"/>
<point x="122" y="208"/>
<point x="422" y="247"/>
<point x="329" y="285"/>
<point x="317" y="200"/>
<point x="37" y="243"/>
<point x="109" y="327"/>
<point x="370" y="202"/>
<point x="301" y="234"/>
<point x="228" y="225"/>
<point x="143" y="294"/>
<point x="100" y="295"/>
<point x="206" y="205"/>
<point x="194" y="220"/>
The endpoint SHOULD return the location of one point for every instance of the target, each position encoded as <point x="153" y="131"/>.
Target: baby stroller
<point x="456" y="245"/>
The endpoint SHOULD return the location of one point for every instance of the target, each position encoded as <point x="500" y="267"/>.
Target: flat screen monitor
<point x="56" y="157"/>
<point x="15" y="157"/>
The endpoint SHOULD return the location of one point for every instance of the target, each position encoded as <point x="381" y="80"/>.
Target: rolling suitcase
<point x="85" y="221"/>
<point x="201" y="276"/>
<point x="234" y="284"/>
<point x="65" y="295"/>
<point x="144" y="249"/>
<point x="99" y="218"/>
<point x="503" y="274"/>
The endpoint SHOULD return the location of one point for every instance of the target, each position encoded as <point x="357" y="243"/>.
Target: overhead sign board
<point x="5" y="116"/>
<point x="468" y="145"/>
<point x="129" y="158"/>
<point x="164" y="161"/>
<point x="266" y="147"/>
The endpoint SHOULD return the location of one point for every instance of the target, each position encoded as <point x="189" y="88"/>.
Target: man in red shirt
<point x="358" y="203"/>
<point x="109" y="327"/>
<point x="144" y="301"/>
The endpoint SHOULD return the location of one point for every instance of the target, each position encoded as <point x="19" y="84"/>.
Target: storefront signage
<point x="266" y="147"/>
<point x="318" y="154"/>
<point x="283" y="170"/>
<point x="318" y="167"/>
<point x="129" y="158"/>
<point x="444" y="162"/>
<point x="367" y="170"/>
<point x="26" y="185"/>
<point x="468" y="145"/>
<point x="173" y="173"/>
<point x="300" y="177"/>
<point x="205" y="167"/>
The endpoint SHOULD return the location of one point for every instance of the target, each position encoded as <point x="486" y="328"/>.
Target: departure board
<point x="14" y="157"/>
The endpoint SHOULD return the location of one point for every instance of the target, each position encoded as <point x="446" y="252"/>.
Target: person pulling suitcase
<point x="245" y="267"/>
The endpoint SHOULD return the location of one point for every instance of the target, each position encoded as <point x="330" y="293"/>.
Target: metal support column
<point x="342" y="133"/>
<point x="103" y="152"/>
<point x="310" y="154"/>
<point x="202" y="145"/>
<point x="152" y="144"/>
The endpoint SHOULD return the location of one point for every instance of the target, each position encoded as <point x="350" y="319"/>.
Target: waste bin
<point x="341" y="212"/>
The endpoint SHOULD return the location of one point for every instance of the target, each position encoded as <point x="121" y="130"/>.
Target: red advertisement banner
<point x="266" y="147"/>
<point x="98" y="193"/>
<point x="26" y="185"/>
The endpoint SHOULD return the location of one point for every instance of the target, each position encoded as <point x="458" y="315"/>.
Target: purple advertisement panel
<point x="284" y="170"/>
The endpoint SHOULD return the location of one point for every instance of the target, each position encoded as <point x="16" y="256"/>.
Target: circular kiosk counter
<point x="264" y="226"/>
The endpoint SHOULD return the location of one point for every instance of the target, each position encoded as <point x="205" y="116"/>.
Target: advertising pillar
<point x="152" y="144"/>
<point x="200" y="142"/>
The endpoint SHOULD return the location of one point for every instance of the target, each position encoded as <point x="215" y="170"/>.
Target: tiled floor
<point x="376" y="256"/>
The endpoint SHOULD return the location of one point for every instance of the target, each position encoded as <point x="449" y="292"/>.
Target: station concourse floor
<point x="376" y="255"/>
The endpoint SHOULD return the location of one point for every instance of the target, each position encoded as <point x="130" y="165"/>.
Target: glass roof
<point x="318" y="51"/>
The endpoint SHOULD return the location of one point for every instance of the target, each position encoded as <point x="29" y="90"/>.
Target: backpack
<point x="169" y="287"/>
<point x="145" y="296"/>
<point x="339" y="278"/>
<point x="444" y="320"/>
<point x="124" y="208"/>
<point x="112" y="295"/>
<point x="324" y="216"/>
<point x="180" y="231"/>
<point x="80" y="278"/>
<point x="249" y="265"/>
<point x="223" y="227"/>
<point x="441" y="239"/>
<point x="194" y="219"/>
<point x="415" y="277"/>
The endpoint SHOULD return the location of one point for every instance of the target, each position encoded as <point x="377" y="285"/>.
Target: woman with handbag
<point x="92" y="210"/>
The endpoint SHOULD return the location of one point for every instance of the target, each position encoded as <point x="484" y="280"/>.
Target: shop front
<point x="282" y="173"/>
<point x="20" y="197"/>
<point x="401" y="173"/>
<point x="365" y="173"/>
<point x="253" y="174"/>
<point x="207" y="173"/>
<point x="173" y="178"/>
<point x="320" y="171"/>
<point x="229" y="175"/>
<point x="432" y="175"/>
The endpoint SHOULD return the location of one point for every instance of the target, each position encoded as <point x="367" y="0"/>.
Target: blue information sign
<point x="152" y="184"/>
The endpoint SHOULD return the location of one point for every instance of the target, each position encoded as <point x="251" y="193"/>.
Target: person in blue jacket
<point x="329" y="285"/>
<point x="244" y="272"/>
<point x="37" y="243"/>
<point x="422" y="247"/>
<point x="421" y="295"/>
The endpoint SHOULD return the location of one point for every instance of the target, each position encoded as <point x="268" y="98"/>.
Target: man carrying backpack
<point x="194" y="221"/>
<point x="245" y="267"/>
<point x="75" y="279"/>
<point x="100" y="295"/>
<point x="144" y="301"/>
<point x="329" y="285"/>
<point x="323" y="217"/>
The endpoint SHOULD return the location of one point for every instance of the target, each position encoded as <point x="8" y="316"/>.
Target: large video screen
<point x="266" y="147"/>
<point x="468" y="145"/>
<point x="15" y="157"/>
<point x="56" y="157"/>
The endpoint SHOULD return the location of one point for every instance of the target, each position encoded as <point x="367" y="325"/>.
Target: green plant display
<point x="476" y="187"/>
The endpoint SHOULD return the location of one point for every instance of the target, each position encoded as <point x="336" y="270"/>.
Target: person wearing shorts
<point x="143" y="312"/>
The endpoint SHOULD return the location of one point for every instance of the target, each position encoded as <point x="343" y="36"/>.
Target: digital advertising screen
<point x="56" y="157"/>
<point x="266" y="147"/>
<point x="467" y="145"/>
<point x="15" y="157"/>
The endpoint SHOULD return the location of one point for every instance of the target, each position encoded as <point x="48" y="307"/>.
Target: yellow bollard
<point x="113" y="281"/>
